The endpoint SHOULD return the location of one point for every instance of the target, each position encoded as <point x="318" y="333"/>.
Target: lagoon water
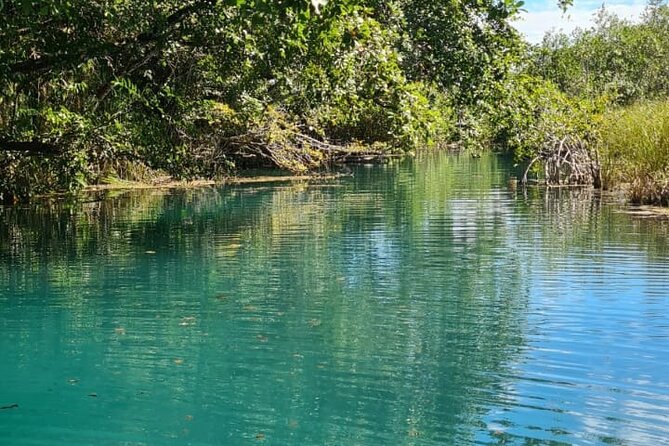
<point x="416" y="303"/>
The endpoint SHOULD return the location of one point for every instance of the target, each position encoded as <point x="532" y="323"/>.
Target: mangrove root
<point x="567" y="161"/>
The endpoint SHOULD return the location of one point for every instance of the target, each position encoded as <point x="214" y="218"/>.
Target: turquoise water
<point x="417" y="303"/>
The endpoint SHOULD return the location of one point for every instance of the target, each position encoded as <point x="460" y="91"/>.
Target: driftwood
<point x="567" y="161"/>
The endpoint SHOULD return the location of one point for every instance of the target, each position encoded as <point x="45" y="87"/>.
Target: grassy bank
<point x="634" y="148"/>
<point x="621" y="65"/>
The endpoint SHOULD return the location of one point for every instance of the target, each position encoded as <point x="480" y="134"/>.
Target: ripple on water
<point x="412" y="304"/>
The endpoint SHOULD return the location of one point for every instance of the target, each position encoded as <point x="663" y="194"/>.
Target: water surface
<point x="416" y="303"/>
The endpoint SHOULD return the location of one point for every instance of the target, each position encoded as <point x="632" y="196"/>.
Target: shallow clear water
<point x="419" y="303"/>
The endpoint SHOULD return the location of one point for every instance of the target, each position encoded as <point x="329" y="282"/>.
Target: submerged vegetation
<point x="94" y="92"/>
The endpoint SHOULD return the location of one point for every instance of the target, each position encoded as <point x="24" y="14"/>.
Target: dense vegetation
<point x="623" y="66"/>
<point x="93" y="91"/>
<point x="98" y="91"/>
<point x="619" y="59"/>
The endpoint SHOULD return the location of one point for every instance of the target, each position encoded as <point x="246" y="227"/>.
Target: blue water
<point x="417" y="303"/>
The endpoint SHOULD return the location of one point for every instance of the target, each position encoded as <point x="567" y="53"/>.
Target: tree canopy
<point x="90" y="89"/>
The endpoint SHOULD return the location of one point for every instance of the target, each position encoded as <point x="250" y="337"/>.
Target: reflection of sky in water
<point x="598" y="351"/>
<point x="416" y="304"/>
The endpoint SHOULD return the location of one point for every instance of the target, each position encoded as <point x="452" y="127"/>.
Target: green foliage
<point x="618" y="59"/>
<point x="623" y="65"/>
<point x="89" y="90"/>
<point x="635" y="150"/>
<point x="533" y="111"/>
<point x="465" y="46"/>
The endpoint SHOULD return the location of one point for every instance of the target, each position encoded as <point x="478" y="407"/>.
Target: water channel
<point x="422" y="302"/>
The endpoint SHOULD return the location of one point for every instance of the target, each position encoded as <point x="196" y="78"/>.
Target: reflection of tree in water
<point x="428" y="318"/>
<point x="391" y="303"/>
<point x="573" y="218"/>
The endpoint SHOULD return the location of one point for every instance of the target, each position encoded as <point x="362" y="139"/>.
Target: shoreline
<point x="170" y="183"/>
<point x="185" y="184"/>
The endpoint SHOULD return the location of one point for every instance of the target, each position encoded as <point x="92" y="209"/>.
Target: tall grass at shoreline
<point x="635" y="151"/>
